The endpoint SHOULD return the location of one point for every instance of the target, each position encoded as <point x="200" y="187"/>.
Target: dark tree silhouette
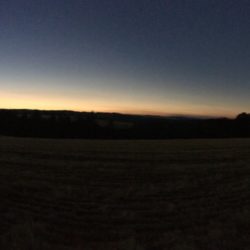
<point x="68" y="124"/>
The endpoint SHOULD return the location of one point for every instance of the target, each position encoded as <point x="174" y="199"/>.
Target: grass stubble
<point x="138" y="195"/>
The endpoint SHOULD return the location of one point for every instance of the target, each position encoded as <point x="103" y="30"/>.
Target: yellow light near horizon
<point x="50" y="102"/>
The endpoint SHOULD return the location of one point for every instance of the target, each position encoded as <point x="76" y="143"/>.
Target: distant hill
<point x="70" y="124"/>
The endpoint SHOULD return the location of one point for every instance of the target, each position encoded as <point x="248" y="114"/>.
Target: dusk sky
<point x="129" y="56"/>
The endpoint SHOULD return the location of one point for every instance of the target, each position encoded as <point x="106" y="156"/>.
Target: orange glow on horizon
<point x="21" y="101"/>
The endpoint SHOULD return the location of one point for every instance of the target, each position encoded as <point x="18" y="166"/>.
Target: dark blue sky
<point x="140" y="56"/>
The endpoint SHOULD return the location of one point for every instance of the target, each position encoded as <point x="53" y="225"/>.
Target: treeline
<point x="90" y="125"/>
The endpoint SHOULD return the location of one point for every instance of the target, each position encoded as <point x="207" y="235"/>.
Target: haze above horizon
<point x="186" y="57"/>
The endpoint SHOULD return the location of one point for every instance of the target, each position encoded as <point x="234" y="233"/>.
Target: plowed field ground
<point x="138" y="195"/>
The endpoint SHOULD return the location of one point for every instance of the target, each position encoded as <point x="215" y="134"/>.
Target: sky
<point x="186" y="57"/>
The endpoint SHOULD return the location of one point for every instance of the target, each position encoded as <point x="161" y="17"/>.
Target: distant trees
<point x="67" y="124"/>
<point x="242" y="123"/>
<point x="243" y="116"/>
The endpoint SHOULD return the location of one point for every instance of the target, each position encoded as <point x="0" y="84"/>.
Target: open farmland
<point x="80" y="194"/>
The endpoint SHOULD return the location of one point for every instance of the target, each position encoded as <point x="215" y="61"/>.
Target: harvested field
<point x="138" y="195"/>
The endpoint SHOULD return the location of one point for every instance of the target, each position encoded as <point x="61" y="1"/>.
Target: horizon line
<point x="155" y="114"/>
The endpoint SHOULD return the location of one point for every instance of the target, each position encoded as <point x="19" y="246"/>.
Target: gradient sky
<point x="131" y="56"/>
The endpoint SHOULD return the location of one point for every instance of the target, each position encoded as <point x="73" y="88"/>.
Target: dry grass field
<point x="138" y="195"/>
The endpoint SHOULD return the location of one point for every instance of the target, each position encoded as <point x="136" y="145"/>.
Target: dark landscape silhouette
<point x="91" y="125"/>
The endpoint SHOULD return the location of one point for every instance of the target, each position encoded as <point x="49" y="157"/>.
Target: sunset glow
<point x="139" y="58"/>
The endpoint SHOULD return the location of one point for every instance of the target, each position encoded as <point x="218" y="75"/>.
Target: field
<point x="138" y="195"/>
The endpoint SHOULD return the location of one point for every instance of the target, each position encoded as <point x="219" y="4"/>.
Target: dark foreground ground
<point x="139" y="195"/>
